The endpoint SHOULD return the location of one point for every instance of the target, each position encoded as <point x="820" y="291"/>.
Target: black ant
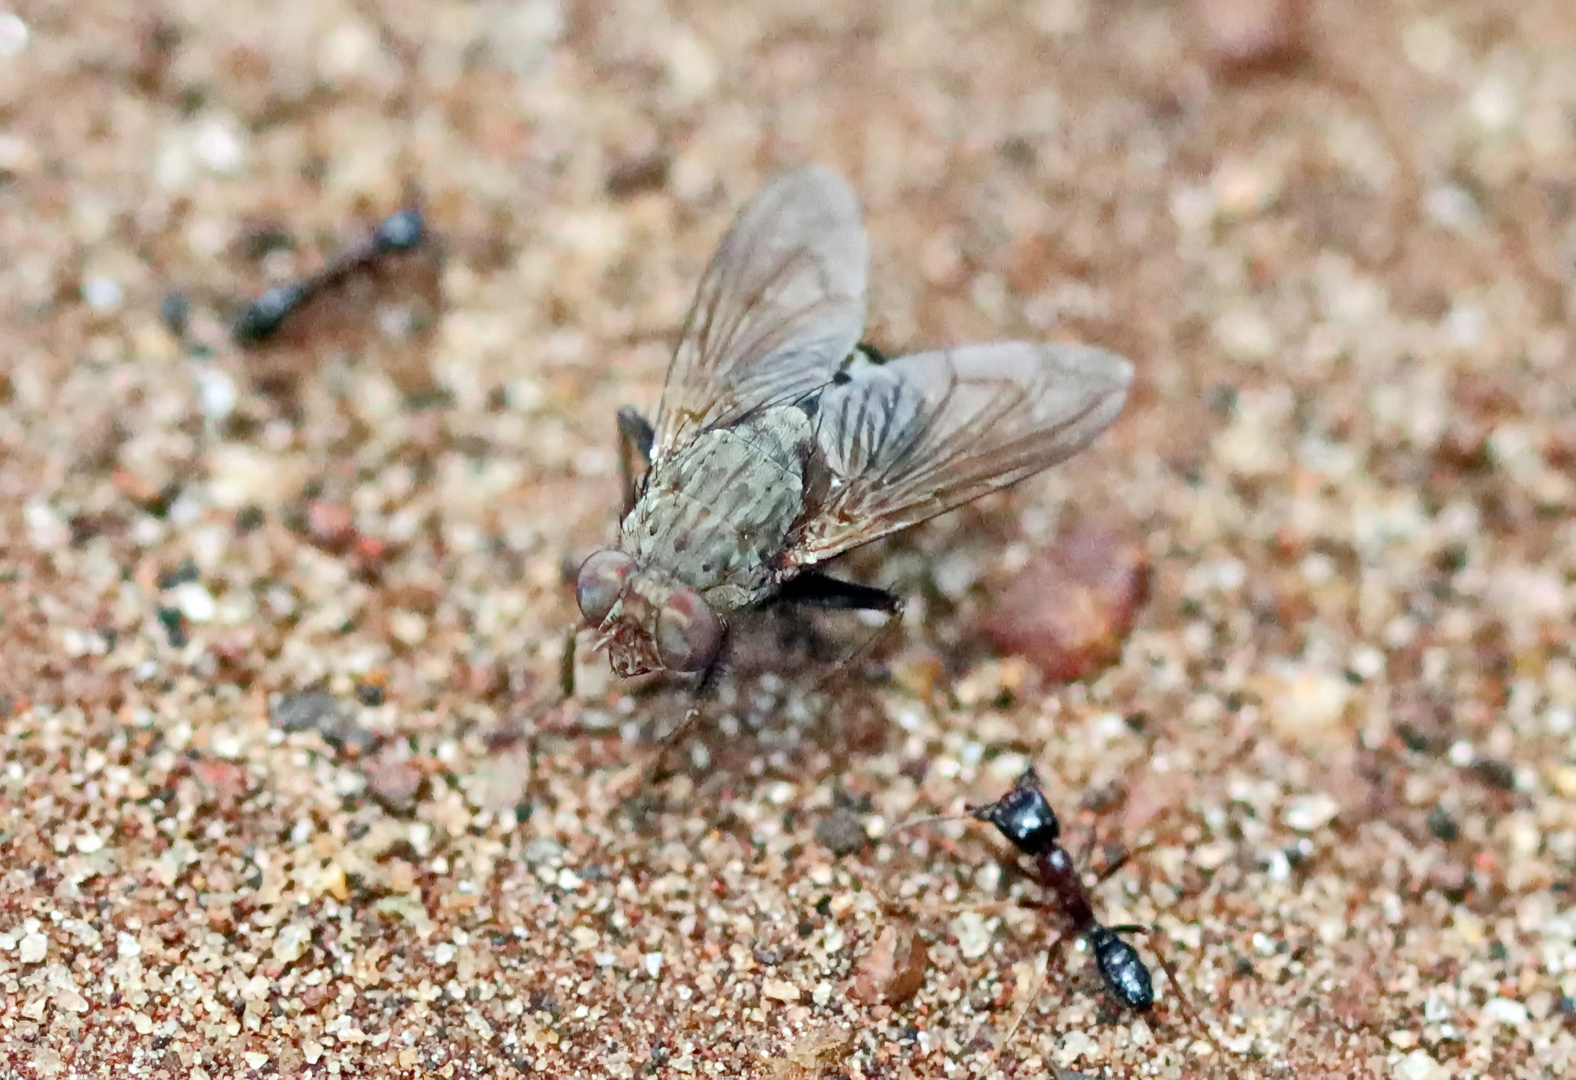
<point x="1024" y="816"/>
<point x="260" y="320"/>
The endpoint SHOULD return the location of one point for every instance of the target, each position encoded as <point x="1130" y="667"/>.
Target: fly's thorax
<point x="716" y="517"/>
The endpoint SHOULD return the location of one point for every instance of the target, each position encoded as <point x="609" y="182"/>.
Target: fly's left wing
<point x="781" y="305"/>
<point x="910" y="438"/>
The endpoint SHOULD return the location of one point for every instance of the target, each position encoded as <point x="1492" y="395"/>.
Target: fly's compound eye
<point x="601" y="582"/>
<point x="688" y="632"/>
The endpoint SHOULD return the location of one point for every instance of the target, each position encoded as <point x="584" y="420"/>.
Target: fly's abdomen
<point x="717" y="515"/>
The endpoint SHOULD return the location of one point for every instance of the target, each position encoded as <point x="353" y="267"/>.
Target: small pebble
<point x="842" y="832"/>
<point x="1248" y="35"/>
<point x="634" y="175"/>
<point x="542" y="851"/>
<point x="1069" y="611"/>
<point x="175" y="312"/>
<point x="974" y="934"/>
<point x="1419" y="1066"/>
<point x="13" y="35"/>
<point x="1076" y="1044"/>
<point x="1442" y="825"/>
<point x="894" y="968"/>
<point x="174" y="626"/>
<point x="394" y="780"/>
<point x="1495" y="773"/>
<point x="194" y="601"/>
<point x="330" y="524"/>
<point x="1507" y="1012"/>
<point x="32" y="948"/>
<point x="779" y="990"/>
<point x="1311" y="812"/>
<point x="219" y="146"/>
<point x="314" y="710"/>
<point x="102" y="294"/>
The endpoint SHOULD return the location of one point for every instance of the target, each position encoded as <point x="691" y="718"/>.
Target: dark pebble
<point x="186" y="571"/>
<point x="1495" y="773"/>
<point x="841" y="833"/>
<point x="174" y="626"/>
<point x="1442" y="825"/>
<point x="314" y="710"/>
<point x="631" y="176"/>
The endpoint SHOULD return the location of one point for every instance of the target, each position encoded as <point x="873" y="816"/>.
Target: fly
<point x="781" y="442"/>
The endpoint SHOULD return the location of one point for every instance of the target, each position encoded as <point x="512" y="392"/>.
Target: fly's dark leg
<point x="635" y="436"/>
<point x="656" y="771"/>
<point x="813" y="589"/>
<point x="818" y="590"/>
<point x="566" y="665"/>
<point x="703" y="693"/>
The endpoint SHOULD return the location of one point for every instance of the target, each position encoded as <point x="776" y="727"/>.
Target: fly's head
<point x="646" y="622"/>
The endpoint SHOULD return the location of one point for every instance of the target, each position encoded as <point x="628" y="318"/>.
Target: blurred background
<point x="288" y="784"/>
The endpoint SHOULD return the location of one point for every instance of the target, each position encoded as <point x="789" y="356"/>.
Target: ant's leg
<point x="1040" y="975"/>
<point x="635" y="436"/>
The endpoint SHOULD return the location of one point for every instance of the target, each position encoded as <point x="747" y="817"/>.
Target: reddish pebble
<point x="1071" y="608"/>
<point x="223" y="782"/>
<point x="395" y="781"/>
<point x="1244" y="35"/>
<point x="330" y="524"/>
<point x="893" y="970"/>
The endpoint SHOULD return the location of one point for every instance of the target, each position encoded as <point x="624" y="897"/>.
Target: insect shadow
<point x="781" y="442"/>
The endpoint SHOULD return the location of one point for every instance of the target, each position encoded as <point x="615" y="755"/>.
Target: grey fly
<point x="782" y="442"/>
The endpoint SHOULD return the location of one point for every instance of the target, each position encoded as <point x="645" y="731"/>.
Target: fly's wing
<point x="781" y="305"/>
<point x="911" y="438"/>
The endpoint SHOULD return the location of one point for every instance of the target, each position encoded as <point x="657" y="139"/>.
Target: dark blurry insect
<point x="1025" y="817"/>
<point x="264" y="317"/>
<point x="782" y="442"/>
<point x="378" y="301"/>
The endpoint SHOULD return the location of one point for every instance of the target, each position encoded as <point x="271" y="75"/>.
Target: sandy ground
<point x="287" y="786"/>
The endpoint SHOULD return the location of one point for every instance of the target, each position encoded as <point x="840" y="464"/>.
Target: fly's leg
<point x="566" y="665"/>
<point x="873" y="354"/>
<point x="703" y="694"/>
<point x="636" y="778"/>
<point x="813" y="589"/>
<point x="635" y="436"/>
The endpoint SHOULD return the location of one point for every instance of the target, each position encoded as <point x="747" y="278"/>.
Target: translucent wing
<point x="907" y="439"/>
<point x="780" y="306"/>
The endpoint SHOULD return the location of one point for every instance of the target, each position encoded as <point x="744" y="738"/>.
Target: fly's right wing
<point x="907" y="439"/>
<point x="781" y="305"/>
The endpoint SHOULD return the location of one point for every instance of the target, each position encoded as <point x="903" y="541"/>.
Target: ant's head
<point x="1023" y="816"/>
